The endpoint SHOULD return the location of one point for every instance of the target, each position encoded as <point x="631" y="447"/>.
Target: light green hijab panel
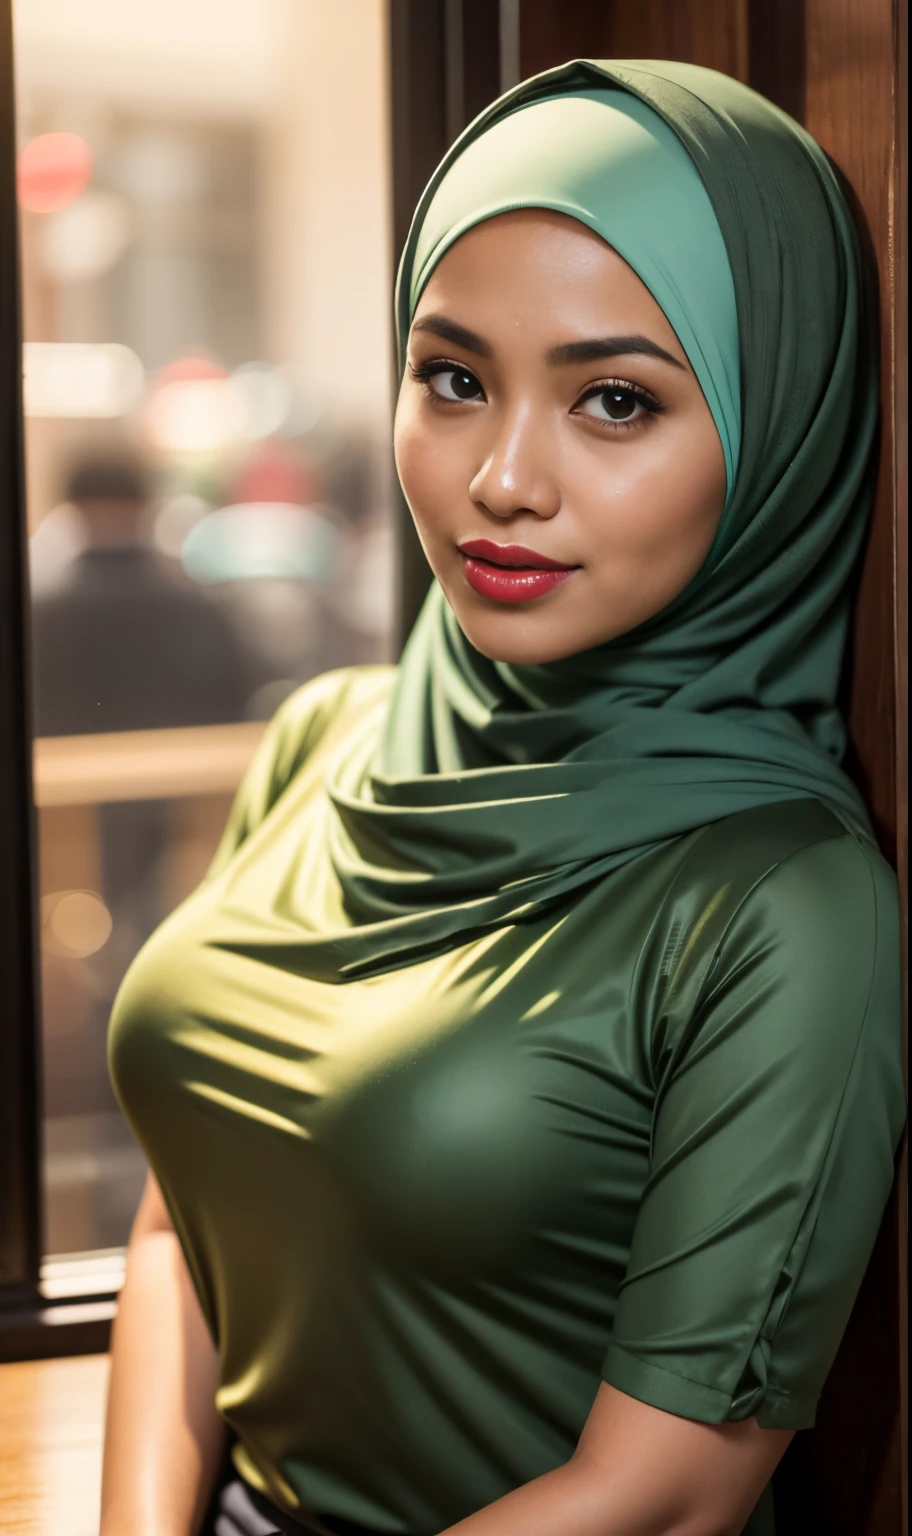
<point x="608" y="160"/>
<point x="482" y="793"/>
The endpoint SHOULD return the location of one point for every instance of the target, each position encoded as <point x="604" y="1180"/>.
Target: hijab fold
<point x="486" y="793"/>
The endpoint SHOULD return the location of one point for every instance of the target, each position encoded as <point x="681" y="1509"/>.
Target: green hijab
<point x="484" y="792"/>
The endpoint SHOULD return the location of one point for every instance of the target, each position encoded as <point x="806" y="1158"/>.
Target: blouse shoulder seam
<point x="844" y="835"/>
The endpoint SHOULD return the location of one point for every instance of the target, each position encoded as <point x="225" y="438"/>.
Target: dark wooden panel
<point x="550" y="33"/>
<point x="41" y="1332"/>
<point x="420" y="126"/>
<point x="777" y="60"/>
<point x="849" y="109"/>
<point x="711" y="32"/>
<point x="418" y="94"/>
<point x="481" y="53"/>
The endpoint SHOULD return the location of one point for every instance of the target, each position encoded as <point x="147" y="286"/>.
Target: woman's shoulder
<point x="801" y="848"/>
<point x="791" y="911"/>
<point x="778" y="954"/>
<point x="304" y="717"/>
<point x="321" y="708"/>
<point x="308" y="724"/>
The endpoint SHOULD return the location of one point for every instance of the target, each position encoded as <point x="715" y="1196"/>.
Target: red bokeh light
<point x="191" y="369"/>
<point x="52" y="171"/>
<point x="276" y="472"/>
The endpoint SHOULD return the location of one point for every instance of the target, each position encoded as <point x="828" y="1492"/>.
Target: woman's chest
<point x="450" y="1110"/>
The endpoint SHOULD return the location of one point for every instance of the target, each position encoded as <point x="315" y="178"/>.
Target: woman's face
<point x="554" y="445"/>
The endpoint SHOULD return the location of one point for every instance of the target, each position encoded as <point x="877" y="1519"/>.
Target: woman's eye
<point x="615" y="403"/>
<point x="455" y="384"/>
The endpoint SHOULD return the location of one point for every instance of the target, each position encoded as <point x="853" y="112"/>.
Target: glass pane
<point x="205" y="254"/>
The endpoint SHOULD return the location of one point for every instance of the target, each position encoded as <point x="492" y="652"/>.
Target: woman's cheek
<point x="411" y="463"/>
<point x="428" y="477"/>
<point x="403" y="443"/>
<point x="663" y="495"/>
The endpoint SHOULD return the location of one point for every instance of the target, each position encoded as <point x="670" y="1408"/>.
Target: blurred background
<point x="206" y="270"/>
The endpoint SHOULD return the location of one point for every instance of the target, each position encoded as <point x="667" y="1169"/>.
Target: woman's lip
<point x="511" y="557"/>
<point x="512" y="584"/>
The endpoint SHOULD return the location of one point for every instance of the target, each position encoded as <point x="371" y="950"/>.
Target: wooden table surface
<point x="51" y="1417"/>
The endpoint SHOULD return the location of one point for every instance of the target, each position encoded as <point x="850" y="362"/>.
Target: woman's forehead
<point x="534" y="271"/>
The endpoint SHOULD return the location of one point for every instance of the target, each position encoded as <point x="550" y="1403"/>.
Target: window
<point x="205" y="276"/>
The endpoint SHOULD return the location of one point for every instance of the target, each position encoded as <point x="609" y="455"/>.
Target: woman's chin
<point x="521" y="638"/>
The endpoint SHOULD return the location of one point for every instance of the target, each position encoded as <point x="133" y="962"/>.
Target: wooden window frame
<point x="37" y="1316"/>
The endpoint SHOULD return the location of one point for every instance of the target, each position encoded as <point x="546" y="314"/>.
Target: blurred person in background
<point x="121" y="641"/>
<point x="273" y="551"/>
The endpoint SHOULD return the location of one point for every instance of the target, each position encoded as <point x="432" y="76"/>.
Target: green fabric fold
<point x="485" y="792"/>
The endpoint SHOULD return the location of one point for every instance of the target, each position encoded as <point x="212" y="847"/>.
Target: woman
<point x="522" y="1084"/>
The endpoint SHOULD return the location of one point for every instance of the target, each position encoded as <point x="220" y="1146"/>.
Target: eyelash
<point x="642" y="397"/>
<point x="422" y="373"/>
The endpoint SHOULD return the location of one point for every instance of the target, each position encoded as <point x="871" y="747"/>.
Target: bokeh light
<point x="196" y="406"/>
<point x="276" y="471"/>
<point x="175" y="518"/>
<point x="52" y="171"/>
<point x="80" y="379"/>
<point x="261" y="541"/>
<point x="87" y="238"/>
<point x="266" y="396"/>
<point x="76" y="924"/>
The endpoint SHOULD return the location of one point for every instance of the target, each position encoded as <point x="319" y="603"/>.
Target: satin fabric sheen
<point x="646" y="1138"/>
<point x="539" y="1026"/>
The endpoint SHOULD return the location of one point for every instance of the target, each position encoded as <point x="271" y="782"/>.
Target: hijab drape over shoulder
<point x="485" y="791"/>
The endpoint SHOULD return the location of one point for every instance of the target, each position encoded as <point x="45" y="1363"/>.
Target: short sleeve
<point x="779" y="1108"/>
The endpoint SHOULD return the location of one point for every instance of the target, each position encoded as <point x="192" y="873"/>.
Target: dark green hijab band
<point x="487" y="793"/>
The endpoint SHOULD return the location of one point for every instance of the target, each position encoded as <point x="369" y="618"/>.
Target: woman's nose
<point x="518" y="474"/>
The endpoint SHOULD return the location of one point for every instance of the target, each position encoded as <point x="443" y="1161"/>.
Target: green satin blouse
<point x="646" y="1138"/>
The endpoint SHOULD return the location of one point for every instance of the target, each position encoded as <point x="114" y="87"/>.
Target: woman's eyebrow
<point x="448" y="330"/>
<point x="609" y="346"/>
<point x="590" y="351"/>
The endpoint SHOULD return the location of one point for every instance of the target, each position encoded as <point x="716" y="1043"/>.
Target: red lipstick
<point x="510" y="573"/>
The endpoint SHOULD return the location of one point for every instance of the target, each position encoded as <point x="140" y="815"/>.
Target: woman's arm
<point x="640" y="1472"/>
<point x="163" y="1437"/>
